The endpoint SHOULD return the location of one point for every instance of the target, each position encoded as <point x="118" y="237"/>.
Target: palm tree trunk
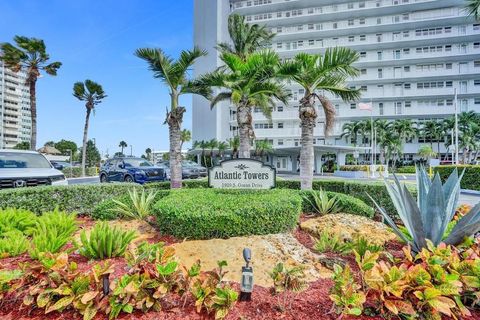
<point x="85" y="135"/>
<point x="32" y="81"/>
<point x="174" y="121"/>
<point x="308" y="117"/>
<point x="244" y="120"/>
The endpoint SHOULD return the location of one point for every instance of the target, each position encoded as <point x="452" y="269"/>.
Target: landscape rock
<point x="349" y="227"/>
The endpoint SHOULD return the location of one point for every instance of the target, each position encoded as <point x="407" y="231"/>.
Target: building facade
<point x="15" y="119"/>
<point x="414" y="54"/>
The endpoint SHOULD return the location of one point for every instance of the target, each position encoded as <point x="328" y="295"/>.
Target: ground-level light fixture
<point x="246" y="283"/>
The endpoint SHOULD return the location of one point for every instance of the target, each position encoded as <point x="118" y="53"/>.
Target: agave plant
<point x="138" y="207"/>
<point x="428" y="217"/>
<point x="322" y="203"/>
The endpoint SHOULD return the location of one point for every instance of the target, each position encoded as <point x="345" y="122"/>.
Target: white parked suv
<point x="21" y="168"/>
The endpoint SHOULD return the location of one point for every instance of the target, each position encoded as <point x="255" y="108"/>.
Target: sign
<point x="242" y="174"/>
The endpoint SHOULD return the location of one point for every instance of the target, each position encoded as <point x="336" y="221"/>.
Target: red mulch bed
<point x="310" y="304"/>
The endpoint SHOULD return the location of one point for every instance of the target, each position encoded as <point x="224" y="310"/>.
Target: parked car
<point x="166" y="168"/>
<point x="21" y="168"/>
<point x="130" y="169"/>
<point x="60" y="165"/>
<point x="197" y="169"/>
<point x="188" y="171"/>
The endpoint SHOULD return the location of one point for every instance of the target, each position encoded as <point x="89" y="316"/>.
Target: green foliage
<point x="76" y="198"/>
<point x="12" y="244"/>
<point x="105" y="241"/>
<point x="76" y="172"/>
<point x="52" y="232"/>
<point x="429" y="216"/>
<point x="25" y="145"/>
<point x="285" y="279"/>
<point x="6" y="278"/>
<point x="322" y="203"/>
<point x="405" y="169"/>
<point x="16" y="219"/>
<point x="328" y="242"/>
<point x="212" y="213"/>
<point x="471" y="177"/>
<point x="139" y="206"/>
<point x="64" y="145"/>
<point x="345" y="203"/>
<point x="359" y="168"/>
<point x="361" y="246"/>
<point x="345" y="293"/>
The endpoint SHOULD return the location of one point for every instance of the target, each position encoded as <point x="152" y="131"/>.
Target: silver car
<point x="21" y="168"/>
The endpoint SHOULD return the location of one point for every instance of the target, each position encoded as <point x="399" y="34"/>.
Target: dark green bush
<point x="471" y="178"/>
<point x="103" y="211"/>
<point x="213" y="213"/>
<point x="362" y="167"/>
<point x="405" y="169"/>
<point x="77" y="198"/>
<point x="347" y="204"/>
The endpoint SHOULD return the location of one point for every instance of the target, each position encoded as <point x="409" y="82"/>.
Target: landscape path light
<point x="246" y="283"/>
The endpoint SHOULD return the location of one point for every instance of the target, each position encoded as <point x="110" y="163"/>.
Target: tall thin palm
<point x="185" y="136"/>
<point x="148" y="152"/>
<point x="212" y="145"/>
<point x="350" y="132"/>
<point x="122" y="145"/>
<point x="245" y="38"/>
<point x="431" y="131"/>
<point x="174" y="74"/>
<point x="222" y="147"/>
<point x="234" y="145"/>
<point x="317" y="75"/>
<point x="92" y="93"/>
<point x="29" y="55"/>
<point x="473" y="8"/>
<point x="382" y="129"/>
<point x="405" y="130"/>
<point x="262" y="147"/>
<point x="246" y="84"/>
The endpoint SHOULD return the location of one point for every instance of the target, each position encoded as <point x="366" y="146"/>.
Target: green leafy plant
<point x="139" y="206"/>
<point x="429" y="216"/>
<point x="6" y="279"/>
<point x="17" y="219"/>
<point x="287" y="281"/>
<point x="52" y="232"/>
<point x="105" y="241"/>
<point x="328" y="242"/>
<point x="361" y="245"/>
<point x="323" y="203"/>
<point x="345" y="293"/>
<point x="13" y="243"/>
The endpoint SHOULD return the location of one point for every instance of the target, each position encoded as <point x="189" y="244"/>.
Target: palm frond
<point x="158" y="62"/>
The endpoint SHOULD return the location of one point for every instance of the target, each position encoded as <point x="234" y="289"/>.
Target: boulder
<point x="349" y="227"/>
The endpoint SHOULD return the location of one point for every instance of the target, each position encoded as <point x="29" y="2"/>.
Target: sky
<point x="96" y="39"/>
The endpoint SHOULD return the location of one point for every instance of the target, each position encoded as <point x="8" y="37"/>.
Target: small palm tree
<point x="29" y="55"/>
<point x="185" y="136"/>
<point x="174" y="74"/>
<point x="122" y="145"/>
<point x="247" y="84"/>
<point x="234" y="145"/>
<point x="222" y="147"/>
<point x="212" y="145"/>
<point x="148" y="152"/>
<point x="262" y="147"/>
<point x="404" y="129"/>
<point x="203" y="145"/>
<point x="245" y="38"/>
<point x="317" y="75"/>
<point x="426" y="152"/>
<point x="350" y="132"/>
<point x="473" y="8"/>
<point x="381" y="127"/>
<point x="92" y="93"/>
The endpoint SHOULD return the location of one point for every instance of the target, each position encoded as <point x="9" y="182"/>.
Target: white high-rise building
<point x="15" y="119"/>
<point x="413" y="55"/>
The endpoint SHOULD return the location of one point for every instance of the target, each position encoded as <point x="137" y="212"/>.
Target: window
<point x="362" y="20"/>
<point x="351" y="38"/>
<point x="280" y="125"/>
<point x="380" y="73"/>
<point x="476" y="63"/>
<point x="279" y="45"/>
<point x="448" y="65"/>
<point x="476" y="82"/>
<point x="363" y="37"/>
<point x="310" y="26"/>
<point x="280" y="109"/>
<point x="350" y="5"/>
<point x="363" y="54"/>
<point x="379" y="37"/>
<point x="476" y="101"/>
<point x="300" y="27"/>
<point x="311" y="42"/>
<point x="353" y="106"/>
<point x="476" y="45"/>
<point x="407" y="86"/>
<point x="335" y="25"/>
<point x="448" y="48"/>
<point x="406" y="34"/>
<point x="398" y="108"/>
<point x="379" y="55"/>
<point x="280" y="142"/>
<point x="448" y="84"/>
<point x="361" y="5"/>
<point x="408" y="104"/>
<point x="406" y="69"/>
<point x="476" y="26"/>
<point x="363" y="88"/>
<point x="379" y="20"/>
<point x="350" y="22"/>
<point x="363" y="71"/>
<point x="380" y="109"/>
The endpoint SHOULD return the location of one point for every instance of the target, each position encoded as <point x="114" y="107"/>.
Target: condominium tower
<point x="413" y="54"/>
<point x="15" y="119"/>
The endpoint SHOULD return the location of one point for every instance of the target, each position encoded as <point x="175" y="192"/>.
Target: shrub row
<point x="358" y="168"/>
<point x="471" y="178"/>
<point x="405" y="169"/>
<point x="348" y="204"/>
<point x="77" y="198"/>
<point x="214" y="213"/>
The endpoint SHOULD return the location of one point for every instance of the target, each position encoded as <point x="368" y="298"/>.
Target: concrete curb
<point x="470" y="192"/>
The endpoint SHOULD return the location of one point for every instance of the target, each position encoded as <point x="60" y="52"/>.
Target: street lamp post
<point x="71" y="164"/>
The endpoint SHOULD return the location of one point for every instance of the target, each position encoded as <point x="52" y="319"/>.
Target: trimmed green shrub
<point x="405" y="169"/>
<point x="75" y="172"/>
<point x="105" y="210"/>
<point x="470" y="180"/>
<point x="17" y="220"/>
<point x="345" y="203"/>
<point x="214" y="213"/>
<point x="105" y="241"/>
<point x="76" y="198"/>
<point x="358" y="168"/>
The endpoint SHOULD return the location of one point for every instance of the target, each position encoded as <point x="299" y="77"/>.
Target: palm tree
<point x="426" y="152"/>
<point x="222" y="146"/>
<point x="318" y="75"/>
<point x="392" y="145"/>
<point x="92" y="93"/>
<point x="29" y="55"/>
<point x="350" y="132"/>
<point x="185" y="136"/>
<point x="262" y="147"/>
<point x="473" y="8"/>
<point x="202" y="145"/>
<point x="382" y="128"/>
<point x="246" y="38"/>
<point x="122" y="145"/>
<point x="173" y="73"/>
<point x="404" y="129"/>
<point x="365" y="133"/>
<point x="430" y="130"/>
<point x="234" y="145"/>
<point x="148" y="152"/>
<point x="212" y="145"/>
<point x="246" y="84"/>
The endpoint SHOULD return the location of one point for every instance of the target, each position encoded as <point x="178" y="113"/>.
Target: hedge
<point x="405" y="169"/>
<point x="348" y="204"/>
<point x="103" y="211"/>
<point x="358" y="168"/>
<point x="471" y="178"/>
<point x="76" y="172"/>
<point x="214" y="213"/>
<point x="77" y="198"/>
